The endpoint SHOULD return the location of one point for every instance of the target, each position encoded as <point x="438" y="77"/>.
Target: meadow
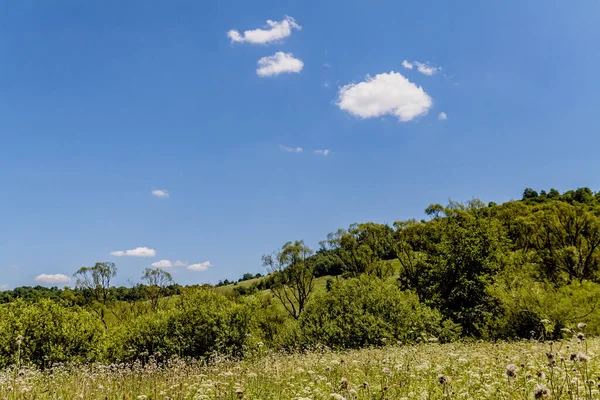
<point x="478" y="301"/>
<point x="530" y="369"/>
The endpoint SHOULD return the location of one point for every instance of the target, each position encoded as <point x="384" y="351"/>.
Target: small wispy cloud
<point x="137" y="252"/>
<point x="291" y="149"/>
<point x="385" y="94"/>
<point x="161" y="193"/>
<point x="275" y="31"/>
<point x="180" y="264"/>
<point x="3" y="288"/>
<point x="324" y="152"/>
<point x="424" y="68"/>
<point x="168" y="264"/>
<point x="52" y="279"/>
<point x="279" y="63"/>
<point x="443" y="116"/>
<point x="200" y="266"/>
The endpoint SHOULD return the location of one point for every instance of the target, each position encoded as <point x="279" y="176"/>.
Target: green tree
<point x="363" y="248"/>
<point x="156" y="281"/>
<point x="97" y="279"/>
<point x="454" y="271"/>
<point x="566" y="239"/>
<point x="293" y="278"/>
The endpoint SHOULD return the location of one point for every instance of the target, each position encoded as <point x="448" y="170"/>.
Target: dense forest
<point x="523" y="269"/>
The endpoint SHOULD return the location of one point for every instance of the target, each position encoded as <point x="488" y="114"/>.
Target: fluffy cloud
<point x="162" y="264"/>
<point x="291" y="149"/>
<point x="168" y="264"/>
<point x="443" y="116"/>
<point x="200" y="266"/>
<point x="425" y="69"/>
<point x="276" y="32"/>
<point x="324" y="152"/>
<point x="385" y="94"/>
<point x="3" y="288"/>
<point x="137" y="252"/>
<point x="279" y="63"/>
<point x="163" y="194"/>
<point x="52" y="279"/>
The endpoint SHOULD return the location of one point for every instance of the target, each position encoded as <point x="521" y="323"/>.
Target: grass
<point x="520" y="370"/>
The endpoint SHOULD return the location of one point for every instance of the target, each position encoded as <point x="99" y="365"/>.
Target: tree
<point x="567" y="242"/>
<point x="362" y="248"/>
<point x="156" y="280"/>
<point x="453" y="271"/>
<point x="97" y="279"/>
<point x="293" y="279"/>
<point x="529" y="194"/>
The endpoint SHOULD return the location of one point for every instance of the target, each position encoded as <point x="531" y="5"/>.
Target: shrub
<point x="50" y="333"/>
<point x="367" y="311"/>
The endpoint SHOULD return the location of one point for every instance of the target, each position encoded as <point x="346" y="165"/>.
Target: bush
<point x="50" y="333"/>
<point x="367" y="311"/>
<point x="202" y="321"/>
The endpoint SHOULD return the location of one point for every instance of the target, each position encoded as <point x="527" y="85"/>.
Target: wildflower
<point x="365" y="385"/>
<point x="239" y="393"/>
<point x="337" y="396"/>
<point x="581" y="325"/>
<point x="19" y="340"/>
<point x="550" y="356"/>
<point x="260" y="344"/>
<point x="540" y="374"/>
<point x="442" y="379"/>
<point x="541" y="392"/>
<point x="583" y="357"/>
<point x="573" y="357"/>
<point x="344" y="383"/>
<point x="386" y="371"/>
<point x="511" y="370"/>
<point x="581" y="336"/>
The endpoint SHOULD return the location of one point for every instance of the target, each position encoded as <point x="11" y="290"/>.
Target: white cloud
<point x="180" y="264"/>
<point x="385" y="94"/>
<point x="168" y="264"/>
<point x="161" y="193"/>
<point x="443" y="116"/>
<point x="277" y="31"/>
<point x="162" y="264"/>
<point x="3" y="288"/>
<point x="279" y="63"/>
<point x="200" y="266"/>
<point x="291" y="149"/>
<point x="324" y="152"/>
<point x="52" y="279"/>
<point x="424" y="68"/>
<point x="137" y="252"/>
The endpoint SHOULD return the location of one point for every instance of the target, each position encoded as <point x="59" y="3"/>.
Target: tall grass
<point x="522" y="370"/>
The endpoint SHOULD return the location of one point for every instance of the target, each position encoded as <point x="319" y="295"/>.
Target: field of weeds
<point x="522" y="370"/>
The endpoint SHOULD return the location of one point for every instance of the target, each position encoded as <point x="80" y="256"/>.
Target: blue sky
<point x="102" y="103"/>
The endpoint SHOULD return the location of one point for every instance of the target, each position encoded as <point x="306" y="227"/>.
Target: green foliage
<point x="367" y="311"/>
<point x="527" y="268"/>
<point x="50" y="333"/>
<point x="202" y="321"/>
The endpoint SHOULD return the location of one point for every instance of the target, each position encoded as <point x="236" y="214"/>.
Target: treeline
<point x="82" y="296"/>
<point x="523" y="269"/>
